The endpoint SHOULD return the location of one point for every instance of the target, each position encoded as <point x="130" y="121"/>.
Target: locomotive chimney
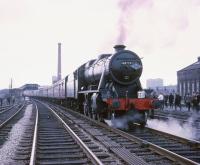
<point x="59" y="62"/>
<point x="119" y="48"/>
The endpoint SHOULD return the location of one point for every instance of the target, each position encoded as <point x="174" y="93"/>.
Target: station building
<point x="188" y="79"/>
<point x="29" y="87"/>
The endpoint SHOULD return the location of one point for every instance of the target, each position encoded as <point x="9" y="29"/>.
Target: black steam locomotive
<point x="104" y="87"/>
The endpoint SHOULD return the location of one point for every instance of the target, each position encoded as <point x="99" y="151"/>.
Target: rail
<point x="7" y="108"/>
<point x="5" y="122"/>
<point x="89" y="153"/>
<point x="33" y="151"/>
<point x="190" y="142"/>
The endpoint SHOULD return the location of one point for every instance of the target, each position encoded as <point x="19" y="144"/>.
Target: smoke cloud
<point x="127" y="7"/>
<point x="175" y="127"/>
<point x="122" y="122"/>
<point x="172" y="126"/>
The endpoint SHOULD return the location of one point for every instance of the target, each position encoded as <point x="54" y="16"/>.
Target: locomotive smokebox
<point x="123" y="67"/>
<point x="119" y="48"/>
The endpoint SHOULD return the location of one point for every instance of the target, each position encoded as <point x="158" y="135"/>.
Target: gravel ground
<point x="9" y="148"/>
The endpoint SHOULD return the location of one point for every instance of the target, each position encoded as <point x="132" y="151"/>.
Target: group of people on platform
<point x="176" y="101"/>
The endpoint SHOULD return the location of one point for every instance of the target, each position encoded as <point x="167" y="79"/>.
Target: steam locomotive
<point x="103" y="88"/>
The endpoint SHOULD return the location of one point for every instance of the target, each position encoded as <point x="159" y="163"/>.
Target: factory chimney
<point x="59" y="62"/>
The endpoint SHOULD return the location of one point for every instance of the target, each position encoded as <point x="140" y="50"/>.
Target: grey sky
<point x="165" y="33"/>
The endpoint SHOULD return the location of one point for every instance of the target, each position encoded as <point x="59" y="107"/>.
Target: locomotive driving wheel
<point x="109" y="115"/>
<point x="144" y="119"/>
<point x="94" y="115"/>
<point x="99" y="117"/>
<point x="85" y="113"/>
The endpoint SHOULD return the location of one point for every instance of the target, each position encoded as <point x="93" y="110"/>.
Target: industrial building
<point x="154" y="83"/>
<point x="189" y="79"/>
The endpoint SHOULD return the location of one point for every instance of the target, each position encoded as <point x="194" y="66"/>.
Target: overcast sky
<point x="164" y="32"/>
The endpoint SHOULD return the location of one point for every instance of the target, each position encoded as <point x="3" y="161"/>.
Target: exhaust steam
<point x="175" y="127"/>
<point x="127" y="7"/>
<point x="122" y="122"/>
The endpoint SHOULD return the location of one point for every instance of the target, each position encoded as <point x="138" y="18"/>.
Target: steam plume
<point x="127" y="7"/>
<point x="174" y="126"/>
<point x="122" y="122"/>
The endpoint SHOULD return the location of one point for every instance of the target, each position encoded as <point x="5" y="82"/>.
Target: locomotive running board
<point x="89" y="91"/>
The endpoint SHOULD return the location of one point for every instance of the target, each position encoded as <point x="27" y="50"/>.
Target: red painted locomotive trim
<point x="124" y="104"/>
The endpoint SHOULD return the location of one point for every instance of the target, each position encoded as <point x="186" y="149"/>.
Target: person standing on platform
<point x="171" y="100"/>
<point x="188" y="101"/>
<point x="198" y="101"/>
<point x="195" y="102"/>
<point x="166" y="98"/>
<point x="177" y="101"/>
<point x="161" y="100"/>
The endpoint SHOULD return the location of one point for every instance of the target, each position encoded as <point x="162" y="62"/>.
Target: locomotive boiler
<point x="124" y="67"/>
<point x="104" y="87"/>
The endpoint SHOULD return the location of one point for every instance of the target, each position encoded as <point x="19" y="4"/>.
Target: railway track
<point x="9" y="134"/>
<point x="187" y="148"/>
<point x="128" y="148"/>
<point x="4" y="107"/>
<point x="57" y="143"/>
<point x="55" y="135"/>
<point x="7" y="108"/>
<point x="9" y="113"/>
<point x="180" y="115"/>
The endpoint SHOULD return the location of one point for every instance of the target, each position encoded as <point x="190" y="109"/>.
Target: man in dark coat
<point x="188" y="101"/>
<point x="166" y="97"/>
<point x="171" y="100"/>
<point x="177" y="101"/>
